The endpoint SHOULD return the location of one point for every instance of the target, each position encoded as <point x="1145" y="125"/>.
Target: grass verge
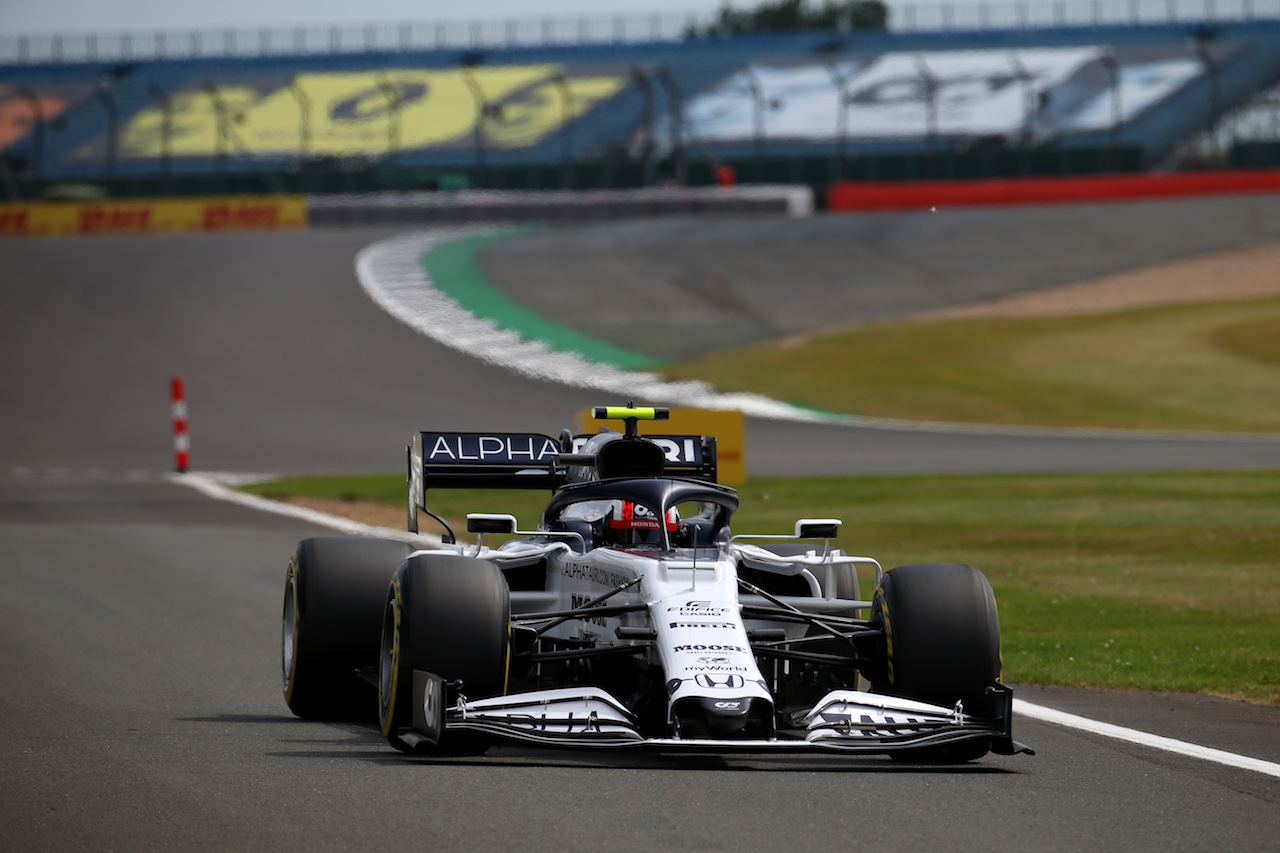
<point x="1164" y="581"/>
<point x="1202" y="366"/>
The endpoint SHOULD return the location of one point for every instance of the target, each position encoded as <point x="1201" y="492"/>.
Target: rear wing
<point x="503" y="460"/>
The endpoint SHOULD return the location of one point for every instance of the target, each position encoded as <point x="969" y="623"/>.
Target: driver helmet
<point x="623" y="522"/>
<point x="628" y="515"/>
<point x="630" y="523"/>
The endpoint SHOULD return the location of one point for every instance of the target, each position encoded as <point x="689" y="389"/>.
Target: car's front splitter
<point x="588" y="717"/>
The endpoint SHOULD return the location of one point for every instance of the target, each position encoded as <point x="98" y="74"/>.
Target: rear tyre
<point x="942" y="644"/>
<point x="846" y="574"/>
<point x="333" y="598"/>
<point x="450" y="616"/>
<point x="813" y="682"/>
<point x="846" y="588"/>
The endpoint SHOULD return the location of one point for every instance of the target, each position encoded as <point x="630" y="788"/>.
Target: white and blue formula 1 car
<point x="633" y="617"/>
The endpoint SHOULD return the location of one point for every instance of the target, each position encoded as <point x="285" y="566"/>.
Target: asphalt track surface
<point x="290" y="368"/>
<point x="678" y="286"/>
<point x="139" y="621"/>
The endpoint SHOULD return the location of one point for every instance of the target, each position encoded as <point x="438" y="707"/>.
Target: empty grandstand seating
<point x="811" y="108"/>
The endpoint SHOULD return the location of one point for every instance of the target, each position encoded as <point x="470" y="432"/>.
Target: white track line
<point x="1061" y="718"/>
<point x="214" y="486"/>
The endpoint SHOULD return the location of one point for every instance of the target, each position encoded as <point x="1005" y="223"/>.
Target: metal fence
<point x="586" y="30"/>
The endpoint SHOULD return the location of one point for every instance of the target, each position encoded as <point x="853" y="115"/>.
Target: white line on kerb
<point x="1061" y="718"/>
<point x="391" y="273"/>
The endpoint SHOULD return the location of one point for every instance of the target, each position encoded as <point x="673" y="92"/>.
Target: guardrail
<point x="443" y="34"/>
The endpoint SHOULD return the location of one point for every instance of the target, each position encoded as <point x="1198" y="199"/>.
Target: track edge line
<point x="1218" y="756"/>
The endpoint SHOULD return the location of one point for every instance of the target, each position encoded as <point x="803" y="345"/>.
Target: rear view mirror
<point x="486" y="522"/>
<point x="817" y="528"/>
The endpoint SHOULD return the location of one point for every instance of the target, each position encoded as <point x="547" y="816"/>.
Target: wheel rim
<point x="289" y="634"/>
<point x="388" y="663"/>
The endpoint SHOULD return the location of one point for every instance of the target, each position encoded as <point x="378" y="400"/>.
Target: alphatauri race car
<point x="633" y="616"/>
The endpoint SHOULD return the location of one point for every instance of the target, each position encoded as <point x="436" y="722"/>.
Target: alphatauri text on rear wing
<point x="506" y="460"/>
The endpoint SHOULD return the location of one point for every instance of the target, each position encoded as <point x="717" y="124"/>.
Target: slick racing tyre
<point x="942" y="643"/>
<point x="334" y="593"/>
<point x="449" y="616"/>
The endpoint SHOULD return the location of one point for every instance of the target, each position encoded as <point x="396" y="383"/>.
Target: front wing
<point x="844" y="720"/>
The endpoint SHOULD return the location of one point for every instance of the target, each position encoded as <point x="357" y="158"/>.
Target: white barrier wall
<point x="514" y="206"/>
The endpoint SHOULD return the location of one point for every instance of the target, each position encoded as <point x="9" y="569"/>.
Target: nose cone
<point x="743" y="717"/>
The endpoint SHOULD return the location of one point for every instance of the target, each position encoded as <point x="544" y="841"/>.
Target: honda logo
<point x="719" y="682"/>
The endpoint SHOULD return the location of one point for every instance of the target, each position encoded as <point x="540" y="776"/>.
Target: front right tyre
<point x="449" y="616"/>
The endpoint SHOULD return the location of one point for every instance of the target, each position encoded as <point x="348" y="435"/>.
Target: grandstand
<point x="1042" y="97"/>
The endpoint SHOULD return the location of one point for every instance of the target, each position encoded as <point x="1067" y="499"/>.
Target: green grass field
<point x="1203" y="366"/>
<point x="1158" y="581"/>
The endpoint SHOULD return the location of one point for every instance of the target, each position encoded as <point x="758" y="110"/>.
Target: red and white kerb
<point x="181" y="444"/>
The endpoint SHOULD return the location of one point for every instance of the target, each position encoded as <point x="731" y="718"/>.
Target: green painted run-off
<point x="453" y="269"/>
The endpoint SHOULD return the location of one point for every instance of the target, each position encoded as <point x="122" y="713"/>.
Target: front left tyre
<point x="941" y="642"/>
<point x="334" y="593"/>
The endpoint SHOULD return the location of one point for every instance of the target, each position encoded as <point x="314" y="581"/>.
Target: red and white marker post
<point x="181" y="444"/>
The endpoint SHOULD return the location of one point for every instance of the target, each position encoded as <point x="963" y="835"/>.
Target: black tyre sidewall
<point x="942" y="643"/>
<point x="450" y="616"/>
<point x="942" y="633"/>
<point x="335" y="587"/>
